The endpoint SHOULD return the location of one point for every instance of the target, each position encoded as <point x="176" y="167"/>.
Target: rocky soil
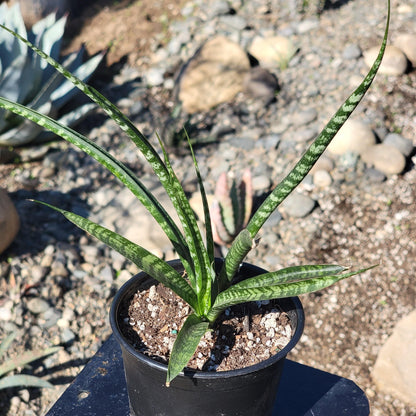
<point x="56" y="284"/>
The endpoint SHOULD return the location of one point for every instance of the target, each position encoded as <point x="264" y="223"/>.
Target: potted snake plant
<point x="207" y="286"/>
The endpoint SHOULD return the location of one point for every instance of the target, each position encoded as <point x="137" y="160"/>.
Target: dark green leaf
<point x="202" y="266"/>
<point x="288" y="275"/>
<point x="185" y="345"/>
<point x="234" y="295"/>
<point x="119" y="170"/>
<point x="302" y="168"/>
<point x="146" y="261"/>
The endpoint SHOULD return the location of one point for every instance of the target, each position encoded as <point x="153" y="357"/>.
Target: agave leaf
<point x="11" y="78"/>
<point x="39" y="28"/>
<point x="146" y="261"/>
<point x="234" y="295"/>
<point x="112" y="111"/>
<point x="24" y="132"/>
<point x="237" y="252"/>
<point x="67" y="90"/>
<point x="41" y="72"/>
<point x="113" y="165"/>
<point x="51" y="39"/>
<point x="10" y="46"/>
<point x="26" y="358"/>
<point x="57" y="89"/>
<point x="185" y="345"/>
<point x="290" y="274"/>
<point x="68" y="119"/>
<point x="30" y="81"/>
<point x="23" y="380"/>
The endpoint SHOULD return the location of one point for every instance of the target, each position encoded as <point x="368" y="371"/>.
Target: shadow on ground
<point x="41" y="226"/>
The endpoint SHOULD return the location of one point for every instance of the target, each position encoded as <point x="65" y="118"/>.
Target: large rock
<point x="9" y="221"/>
<point x="354" y="136"/>
<point x="395" y="368"/>
<point x="407" y="44"/>
<point x="214" y="75"/>
<point x="273" y="51"/>
<point x="394" y="60"/>
<point x="385" y="158"/>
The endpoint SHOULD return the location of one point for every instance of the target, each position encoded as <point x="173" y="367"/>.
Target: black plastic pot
<point x="244" y="392"/>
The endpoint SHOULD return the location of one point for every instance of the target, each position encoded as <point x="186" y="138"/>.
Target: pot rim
<point x="203" y="375"/>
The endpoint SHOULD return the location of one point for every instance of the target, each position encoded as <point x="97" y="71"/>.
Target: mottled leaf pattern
<point x="197" y="258"/>
<point x="305" y="164"/>
<point x="185" y="345"/>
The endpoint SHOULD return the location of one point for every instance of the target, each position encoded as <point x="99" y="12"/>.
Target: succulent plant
<point x="207" y="292"/>
<point x="27" y="79"/>
<point x="231" y="207"/>
<point x="20" y="361"/>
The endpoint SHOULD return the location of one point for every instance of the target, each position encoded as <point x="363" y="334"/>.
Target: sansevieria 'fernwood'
<point x="208" y="293"/>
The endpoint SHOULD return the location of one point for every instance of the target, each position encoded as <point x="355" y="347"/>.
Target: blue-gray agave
<point x="16" y="380"/>
<point x="207" y="293"/>
<point x="29" y="80"/>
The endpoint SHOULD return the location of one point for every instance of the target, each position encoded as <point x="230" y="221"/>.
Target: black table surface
<point x="100" y="390"/>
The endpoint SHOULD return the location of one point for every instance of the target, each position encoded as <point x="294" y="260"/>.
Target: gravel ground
<point x="57" y="284"/>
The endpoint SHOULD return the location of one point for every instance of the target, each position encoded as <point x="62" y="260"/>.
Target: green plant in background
<point x="27" y="79"/>
<point x="231" y="208"/>
<point x="207" y="293"/>
<point x="20" y="361"/>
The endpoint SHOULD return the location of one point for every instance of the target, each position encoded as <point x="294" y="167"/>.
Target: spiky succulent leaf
<point x="201" y="266"/>
<point x="207" y="217"/>
<point x="185" y="345"/>
<point x="146" y="261"/>
<point x="23" y="380"/>
<point x="26" y="358"/>
<point x="235" y="295"/>
<point x="290" y="274"/>
<point x="113" y="165"/>
<point x="240" y="248"/>
<point x="26" y="78"/>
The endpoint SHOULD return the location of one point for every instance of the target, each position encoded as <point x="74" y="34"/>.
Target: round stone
<point x="273" y="51"/>
<point x="394" y="61"/>
<point x="298" y="205"/>
<point x="261" y="183"/>
<point x="405" y="146"/>
<point x="352" y="51"/>
<point x="154" y="77"/>
<point x="354" y="136"/>
<point x="323" y="163"/>
<point x="37" y="305"/>
<point x="322" y="178"/>
<point x="407" y="44"/>
<point x="216" y="72"/>
<point x="385" y="158"/>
